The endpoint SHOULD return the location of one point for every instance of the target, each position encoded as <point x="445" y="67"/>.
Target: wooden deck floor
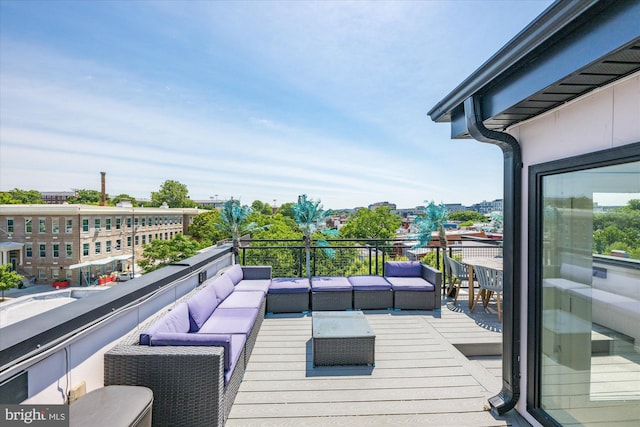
<point x="420" y="377"/>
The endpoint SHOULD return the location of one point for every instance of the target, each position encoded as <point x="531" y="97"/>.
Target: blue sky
<point x="251" y="100"/>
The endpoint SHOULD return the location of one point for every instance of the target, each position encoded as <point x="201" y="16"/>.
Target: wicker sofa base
<point x="331" y="300"/>
<point x="187" y="382"/>
<point x="288" y="302"/>
<point x="372" y="300"/>
<point x="415" y="300"/>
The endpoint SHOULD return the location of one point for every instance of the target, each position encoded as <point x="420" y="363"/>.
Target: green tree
<point x="464" y="216"/>
<point x="9" y="279"/>
<point x="174" y="193"/>
<point x="308" y="215"/>
<point x="117" y="199"/>
<point x="286" y="209"/>
<point x="160" y="253"/>
<point x="17" y="197"/>
<point x="203" y="228"/>
<point x="87" y="197"/>
<point x="379" y="223"/>
<point x="261" y="207"/>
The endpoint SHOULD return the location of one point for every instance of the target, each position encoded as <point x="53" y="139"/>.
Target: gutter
<point x="510" y="393"/>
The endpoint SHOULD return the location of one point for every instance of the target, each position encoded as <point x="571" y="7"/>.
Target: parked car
<point x="123" y="277"/>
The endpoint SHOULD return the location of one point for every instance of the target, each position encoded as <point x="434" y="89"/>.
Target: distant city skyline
<point x="250" y="100"/>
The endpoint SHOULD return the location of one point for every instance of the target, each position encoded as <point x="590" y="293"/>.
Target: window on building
<point x="128" y="222"/>
<point x="143" y="221"/>
<point x="137" y="240"/>
<point x="55" y="225"/>
<point x="69" y="226"/>
<point x="10" y="225"/>
<point x="149" y="237"/>
<point x="108" y="246"/>
<point x="118" y="244"/>
<point x="42" y="273"/>
<point x="69" y="248"/>
<point x="85" y="225"/>
<point x="128" y="241"/>
<point x="98" y="247"/>
<point x="85" y="249"/>
<point x="42" y="249"/>
<point x="107" y="224"/>
<point x="97" y="223"/>
<point x="55" y="272"/>
<point x="136" y="221"/>
<point x="42" y="225"/>
<point x="56" y="250"/>
<point x="28" y="225"/>
<point x="585" y="259"/>
<point x="144" y="239"/>
<point x="28" y="250"/>
<point x="150" y="221"/>
<point x="118" y="223"/>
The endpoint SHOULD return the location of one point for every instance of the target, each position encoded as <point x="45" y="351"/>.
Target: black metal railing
<point x="344" y="257"/>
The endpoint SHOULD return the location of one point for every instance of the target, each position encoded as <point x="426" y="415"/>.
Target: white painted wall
<point x="605" y="118"/>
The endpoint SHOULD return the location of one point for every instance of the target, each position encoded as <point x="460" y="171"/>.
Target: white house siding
<point x="605" y="118"/>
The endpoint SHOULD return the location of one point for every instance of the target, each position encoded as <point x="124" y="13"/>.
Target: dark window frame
<point x="609" y="157"/>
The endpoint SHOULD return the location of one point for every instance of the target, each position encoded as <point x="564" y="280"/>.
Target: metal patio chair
<point x="460" y="273"/>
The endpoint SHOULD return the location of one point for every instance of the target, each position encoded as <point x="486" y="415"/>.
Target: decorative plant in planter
<point x="308" y="215"/>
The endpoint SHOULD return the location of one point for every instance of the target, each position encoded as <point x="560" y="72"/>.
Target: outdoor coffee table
<point x="342" y="338"/>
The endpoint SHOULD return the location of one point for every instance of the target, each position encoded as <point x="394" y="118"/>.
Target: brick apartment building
<point x="48" y="243"/>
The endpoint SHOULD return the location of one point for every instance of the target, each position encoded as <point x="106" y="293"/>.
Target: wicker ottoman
<point x="342" y="338"/>
<point x="288" y="295"/>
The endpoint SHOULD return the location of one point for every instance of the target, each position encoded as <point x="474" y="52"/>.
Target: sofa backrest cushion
<point x="201" y="305"/>
<point x="223" y="286"/>
<point x="235" y="273"/>
<point x="177" y="320"/>
<point x="403" y="269"/>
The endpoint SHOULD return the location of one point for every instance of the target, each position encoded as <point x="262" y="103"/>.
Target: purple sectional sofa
<point x="205" y="340"/>
<point x="288" y="295"/>
<point x="416" y="286"/>
<point x="371" y="292"/>
<point x="331" y="293"/>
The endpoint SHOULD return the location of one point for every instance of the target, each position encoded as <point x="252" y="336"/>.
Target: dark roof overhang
<point x="572" y="48"/>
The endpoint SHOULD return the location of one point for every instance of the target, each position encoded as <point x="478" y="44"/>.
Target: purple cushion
<point x="403" y="269"/>
<point x="237" y="345"/>
<point x="289" y="285"/>
<point x="369" y="283"/>
<point x="235" y="273"/>
<point x="230" y="321"/>
<point x="410" y="284"/>
<point x="191" y="339"/>
<point x="330" y="284"/>
<point x="201" y="305"/>
<point x="177" y="320"/>
<point x="223" y="286"/>
<point x="261" y="285"/>
<point x="243" y="300"/>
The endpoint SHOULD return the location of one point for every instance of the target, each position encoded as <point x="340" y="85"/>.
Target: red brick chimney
<point x="103" y="200"/>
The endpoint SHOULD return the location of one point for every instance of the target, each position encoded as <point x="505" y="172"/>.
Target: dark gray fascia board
<point x="546" y="25"/>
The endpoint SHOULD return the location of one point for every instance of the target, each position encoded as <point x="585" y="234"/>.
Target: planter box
<point x="63" y="284"/>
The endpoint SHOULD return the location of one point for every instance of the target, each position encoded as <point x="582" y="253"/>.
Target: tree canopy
<point x="379" y="223"/>
<point x="17" y="196"/>
<point x="203" y="228"/>
<point x="87" y="197"/>
<point x="9" y="279"/>
<point x="464" y="216"/>
<point x="174" y="193"/>
<point x="160" y="253"/>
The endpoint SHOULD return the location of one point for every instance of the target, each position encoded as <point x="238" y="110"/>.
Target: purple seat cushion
<point x="403" y="269"/>
<point x="330" y="284"/>
<point x="369" y="283"/>
<point x="243" y="300"/>
<point x="201" y="305"/>
<point x="223" y="286"/>
<point x="235" y="273"/>
<point x="410" y="284"/>
<point x="261" y="285"/>
<point x="237" y="345"/>
<point x="177" y="320"/>
<point x="230" y="321"/>
<point x="193" y="339"/>
<point x="289" y="285"/>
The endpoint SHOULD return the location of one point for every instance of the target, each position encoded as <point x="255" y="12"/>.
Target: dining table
<point x="489" y="262"/>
